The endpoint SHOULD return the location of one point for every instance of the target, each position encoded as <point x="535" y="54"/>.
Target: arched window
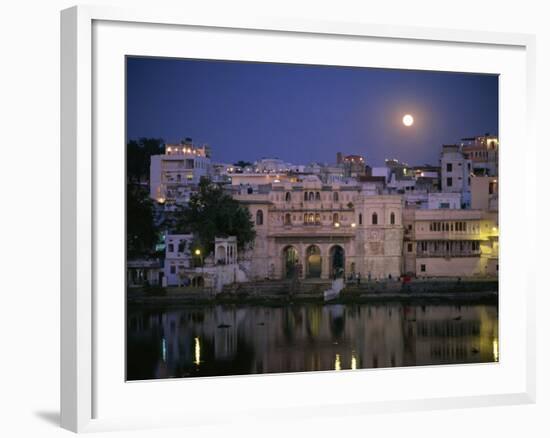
<point x="305" y="196"/>
<point x="335" y="218"/>
<point x="259" y="217"/>
<point x="360" y="219"/>
<point x="288" y="197"/>
<point x="374" y="219"/>
<point x="311" y="195"/>
<point x="335" y="196"/>
<point x="317" y="196"/>
<point x="287" y="219"/>
<point x="392" y="218"/>
<point x="311" y="218"/>
<point x="317" y="219"/>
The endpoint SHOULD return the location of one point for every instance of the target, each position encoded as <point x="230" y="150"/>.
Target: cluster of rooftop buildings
<point x="314" y="220"/>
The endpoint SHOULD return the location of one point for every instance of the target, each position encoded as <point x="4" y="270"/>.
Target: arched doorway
<point x="337" y="261"/>
<point x="313" y="256"/>
<point x="290" y="262"/>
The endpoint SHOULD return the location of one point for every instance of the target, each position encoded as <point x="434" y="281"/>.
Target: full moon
<point x="408" y="120"/>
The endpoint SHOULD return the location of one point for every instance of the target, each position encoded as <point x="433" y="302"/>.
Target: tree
<point x="212" y="213"/>
<point x="138" y="157"/>
<point x="242" y="164"/>
<point x="141" y="233"/>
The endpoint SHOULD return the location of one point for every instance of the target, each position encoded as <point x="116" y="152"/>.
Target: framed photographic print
<point x="259" y="208"/>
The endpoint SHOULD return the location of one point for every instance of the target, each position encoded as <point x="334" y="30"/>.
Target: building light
<point x="336" y="225"/>
<point x="353" y="225"/>
<point x="353" y="361"/>
<point x="197" y="360"/>
<point x="337" y="363"/>
<point x="198" y="252"/>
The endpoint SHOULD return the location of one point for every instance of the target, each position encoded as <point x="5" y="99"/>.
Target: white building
<point x="456" y="170"/>
<point x="173" y="174"/>
<point x="272" y="165"/>
<point x="382" y="171"/>
<point x="178" y="257"/>
<point x="444" y="200"/>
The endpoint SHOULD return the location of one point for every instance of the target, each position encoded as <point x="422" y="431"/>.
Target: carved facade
<point x="311" y="230"/>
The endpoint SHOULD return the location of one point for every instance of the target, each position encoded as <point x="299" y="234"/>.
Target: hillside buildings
<point x="317" y="222"/>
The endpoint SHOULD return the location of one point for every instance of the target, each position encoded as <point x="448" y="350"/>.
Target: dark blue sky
<point x="300" y="114"/>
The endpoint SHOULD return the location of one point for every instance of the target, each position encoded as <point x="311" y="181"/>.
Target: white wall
<point x="29" y="82"/>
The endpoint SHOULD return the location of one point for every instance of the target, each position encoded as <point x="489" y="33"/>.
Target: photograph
<point x="287" y="218"/>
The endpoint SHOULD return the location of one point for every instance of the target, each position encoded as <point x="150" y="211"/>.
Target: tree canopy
<point x="141" y="233"/>
<point x="242" y="164"/>
<point x="138" y="157"/>
<point x="212" y="213"/>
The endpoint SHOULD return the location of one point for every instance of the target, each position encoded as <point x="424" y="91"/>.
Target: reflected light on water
<point x="197" y="360"/>
<point x="353" y="361"/>
<point x="196" y="341"/>
<point x="337" y="363"/>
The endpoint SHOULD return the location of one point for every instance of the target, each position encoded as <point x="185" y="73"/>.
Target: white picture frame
<point x="80" y="337"/>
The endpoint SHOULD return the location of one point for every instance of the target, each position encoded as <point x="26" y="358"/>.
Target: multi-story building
<point x="483" y="152"/>
<point x="443" y="243"/>
<point x="178" y="258"/>
<point x="485" y="193"/>
<point x="353" y="165"/>
<point x="456" y="168"/>
<point x="310" y="229"/>
<point x="174" y="174"/>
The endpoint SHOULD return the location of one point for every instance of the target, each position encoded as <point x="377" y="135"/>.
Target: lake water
<point x="220" y="340"/>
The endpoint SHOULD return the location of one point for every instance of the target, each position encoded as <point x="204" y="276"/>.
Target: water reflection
<point x="231" y="339"/>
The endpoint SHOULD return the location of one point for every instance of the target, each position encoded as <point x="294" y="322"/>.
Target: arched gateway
<point x="290" y="262"/>
<point x="313" y="255"/>
<point x="337" y="261"/>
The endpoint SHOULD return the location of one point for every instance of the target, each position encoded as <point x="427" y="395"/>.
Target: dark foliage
<point x="212" y="213"/>
<point x="138" y="157"/>
<point x="141" y="234"/>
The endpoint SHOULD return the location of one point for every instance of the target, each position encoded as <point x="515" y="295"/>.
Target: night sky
<point x="300" y="114"/>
